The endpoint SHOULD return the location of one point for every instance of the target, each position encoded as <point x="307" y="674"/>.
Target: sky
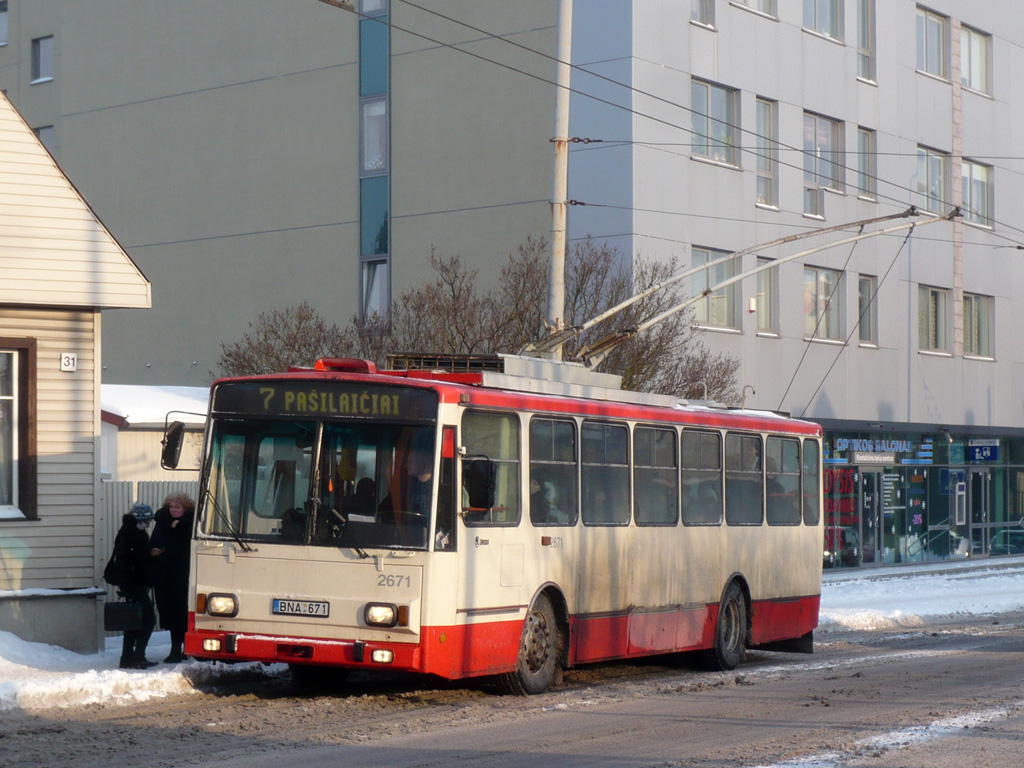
<point x="39" y="677"/>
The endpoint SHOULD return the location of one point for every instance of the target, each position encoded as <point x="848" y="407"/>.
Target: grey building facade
<point x="254" y="155"/>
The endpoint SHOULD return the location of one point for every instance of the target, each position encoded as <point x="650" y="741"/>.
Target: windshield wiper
<point x="314" y="504"/>
<point x="227" y="521"/>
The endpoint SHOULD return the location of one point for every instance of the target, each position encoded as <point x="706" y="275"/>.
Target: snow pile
<point x="867" y="603"/>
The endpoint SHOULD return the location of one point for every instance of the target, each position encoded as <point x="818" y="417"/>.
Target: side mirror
<point x="479" y="476"/>
<point x="174" y="436"/>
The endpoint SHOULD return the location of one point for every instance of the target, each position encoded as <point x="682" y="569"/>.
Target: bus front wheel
<point x="730" y="631"/>
<point x="538" y="662"/>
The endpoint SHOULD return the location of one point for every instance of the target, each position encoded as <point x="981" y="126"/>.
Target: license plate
<point x="317" y="608"/>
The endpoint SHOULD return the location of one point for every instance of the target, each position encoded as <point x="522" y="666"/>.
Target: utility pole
<point x="556" y="267"/>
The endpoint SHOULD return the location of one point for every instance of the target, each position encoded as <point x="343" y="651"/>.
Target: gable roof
<point x="54" y="250"/>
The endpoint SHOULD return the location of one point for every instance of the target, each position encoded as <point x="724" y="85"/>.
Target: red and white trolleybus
<point x="496" y="523"/>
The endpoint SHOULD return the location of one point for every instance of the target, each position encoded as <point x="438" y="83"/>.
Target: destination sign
<point x="324" y="399"/>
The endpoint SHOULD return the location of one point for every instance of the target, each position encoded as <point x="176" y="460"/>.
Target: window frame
<point x="570" y="478"/>
<point x="593" y="472"/>
<point x="43" y="55"/>
<point x="927" y="158"/>
<point x="866" y="40"/>
<point x="970" y="39"/>
<point x="867" y="164"/>
<point x="739" y="468"/>
<point x="772" y="10"/>
<point x="780" y="509"/>
<point x="811" y="490"/>
<point x="971" y="212"/>
<point x="933" y="309"/>
<point x="729" y="295"/>
<point x="815" y="21"/>
<point x="704" y="146"/>
<point x="766" y="302"/>
<point x="867" y="310"/>
<point x="702" y="13"/>
<point x="926" y="57"/>
<point x="5" y="29"/>
<point x="702" y="474"/>
<point x="979" y="325"/>
<point x="767" y="152"/>
<point x="827" y="310"/>
<point x="24" y="499"/>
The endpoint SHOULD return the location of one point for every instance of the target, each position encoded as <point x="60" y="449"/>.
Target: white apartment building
<point x="255" y="155"/>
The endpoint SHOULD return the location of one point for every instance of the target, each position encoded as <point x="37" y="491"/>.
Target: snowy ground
<point x="34" y="676"/>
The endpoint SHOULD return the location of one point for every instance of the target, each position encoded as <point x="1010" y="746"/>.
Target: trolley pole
<point x="556" y="267"/>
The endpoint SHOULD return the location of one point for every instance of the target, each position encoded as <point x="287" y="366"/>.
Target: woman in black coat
<point x="132" y="548"/>
<point x="171" y="546"/>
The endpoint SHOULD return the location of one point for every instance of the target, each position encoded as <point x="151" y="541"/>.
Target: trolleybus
<point x="496" y="523"/>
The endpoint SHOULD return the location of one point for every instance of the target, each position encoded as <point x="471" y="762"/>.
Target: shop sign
<point x="885" y="458"/>
<point x="983" y="450"/>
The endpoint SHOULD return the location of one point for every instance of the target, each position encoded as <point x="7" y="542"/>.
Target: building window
<point x="767" y="153"/>
<point x="767" y="7"/>
<point x="17" y="429"/>
<point x="715" y="122"/>
<point x="823" y="161"/>
<point x="931" y="179"/>
<point x="978" y="325"/>
<point x="373" y="7"/>
<point x="4" y="30"/>
<point x="867" y="163"/>
<point x="45" y="135"/>
<point x="977" y="192"/>
<point x="974" y="57"/>
<point x="866" y="39"/>
<point x="822" y="302"/>
<point x="867" y="309"/>
<point x="824" y="17"/>
<point x="703" y="12"/>
<point x="42" y="59"/>
<point x="374" y="131"/>
<point x="375" y="288"/>
<point x="932" y="308"/>
<point x="718" y="309"/>
<point x="932" y="48"/>
<point x="765" y="302"/>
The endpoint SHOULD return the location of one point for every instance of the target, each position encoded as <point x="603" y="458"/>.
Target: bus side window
<point x="444" y="530"/>
<point x="811" y="481"/>
<point x="552" y="472"/>
<point x="782" y="473"/>
<point x="496" y="437"/>
<point x="702" y="478"/>
<point x="744" y="480"/>
<point x="604" y="474"/>
<point x="655" y="476"/>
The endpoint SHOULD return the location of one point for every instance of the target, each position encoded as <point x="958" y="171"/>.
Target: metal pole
<point x="556" y="267"/>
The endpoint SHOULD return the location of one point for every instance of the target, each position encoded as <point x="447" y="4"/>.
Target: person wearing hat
<point x="132" y="546"/>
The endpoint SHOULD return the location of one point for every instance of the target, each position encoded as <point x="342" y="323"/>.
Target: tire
<point x="539" y="650"/>
<point x="730" y="631"/>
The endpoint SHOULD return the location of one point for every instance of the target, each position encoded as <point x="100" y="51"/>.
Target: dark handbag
<point x="122" y="617"/>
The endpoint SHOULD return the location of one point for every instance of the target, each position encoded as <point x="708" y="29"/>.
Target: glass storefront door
<point x="870" y="516"/>
<point x="978" y="495"/>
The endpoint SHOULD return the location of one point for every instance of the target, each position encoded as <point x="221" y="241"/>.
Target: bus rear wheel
<point x="730" y="631"/>
<point x="539" y="650"/>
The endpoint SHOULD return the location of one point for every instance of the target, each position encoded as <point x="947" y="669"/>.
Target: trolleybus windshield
<point x="360" y="480"/>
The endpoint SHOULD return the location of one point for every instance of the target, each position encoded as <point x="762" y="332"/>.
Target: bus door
<point x="978" y="499"/>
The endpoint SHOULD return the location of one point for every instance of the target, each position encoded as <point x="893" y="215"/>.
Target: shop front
<point x="893" y="498"/>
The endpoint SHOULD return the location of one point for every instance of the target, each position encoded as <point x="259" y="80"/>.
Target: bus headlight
<point x="222" y="605"/>
<point x="380" y="614"/>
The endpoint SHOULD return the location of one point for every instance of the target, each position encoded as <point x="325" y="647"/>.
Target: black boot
<point x="176" y="655"/>
<point x="139" y="660"/>
<point x="127" y="650"/>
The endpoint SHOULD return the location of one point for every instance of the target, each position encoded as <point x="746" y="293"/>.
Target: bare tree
<point x="452" y="315"/>
<point x="280" y="338"/>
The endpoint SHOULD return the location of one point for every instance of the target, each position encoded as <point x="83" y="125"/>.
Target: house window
<point x="866" y="39"/>
<point x="932" y="308"/>
<point x="977" y="192"/>
<point x="824" y="17"/>
<point x="4" y="31"/>
<point x="373" y="7"/>
<point x="974" y="56"/>
<point x="978" y="325"/>
<point x="45" y="135"/>
<point x="718" y="309"/>
<point x="867" y="159"/>
<point x="932" y="48"/>
<point x="931" y="179"/>
<point x="374" y="132"/>
<point x="767" y="153"/>
<point x="375" y="288"/>
<point x="822" y="301"/>
<point x="17" y="429"/>
<point x="42" y="59"/>
<point x="867" y="309"/>
<point x="823" y="161"/>
<point x="715" y="123"/>
<point x="765" y="302"/>
<point x="703" y="12"/>
<point x="766" y="7"/>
